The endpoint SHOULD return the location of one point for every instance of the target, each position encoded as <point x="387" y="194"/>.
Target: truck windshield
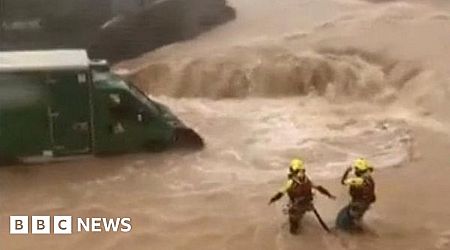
<point x="144" y="99"/>
<point x="101" y="76"/>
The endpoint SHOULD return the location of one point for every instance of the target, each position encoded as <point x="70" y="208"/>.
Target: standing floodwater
<point x="325" y="80"/>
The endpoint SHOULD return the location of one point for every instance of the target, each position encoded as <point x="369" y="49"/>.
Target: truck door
<point x="69" y="113"/>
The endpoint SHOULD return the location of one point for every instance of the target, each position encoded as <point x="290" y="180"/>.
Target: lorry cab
<point x="60" y="103"/>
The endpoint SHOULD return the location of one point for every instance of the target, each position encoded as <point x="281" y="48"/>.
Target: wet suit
<point x="299" y="190"/>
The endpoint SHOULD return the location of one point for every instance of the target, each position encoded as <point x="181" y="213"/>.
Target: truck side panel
<point x="23" y="114"/>
<point x="70" y="123"/>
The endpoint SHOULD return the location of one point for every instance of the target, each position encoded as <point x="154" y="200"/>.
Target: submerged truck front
<point x="128" y="120"/>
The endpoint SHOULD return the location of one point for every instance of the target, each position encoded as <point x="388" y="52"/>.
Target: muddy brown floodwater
<point x="325" y="80"/>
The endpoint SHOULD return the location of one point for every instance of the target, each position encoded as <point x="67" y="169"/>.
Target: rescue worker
<point x="361" y="189"/>
<point x="299" y="189"/>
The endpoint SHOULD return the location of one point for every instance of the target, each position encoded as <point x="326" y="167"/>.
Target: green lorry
<point x="57" y="103"/>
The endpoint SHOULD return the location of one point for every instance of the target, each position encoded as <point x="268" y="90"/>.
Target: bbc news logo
<point x="65" y="225"/>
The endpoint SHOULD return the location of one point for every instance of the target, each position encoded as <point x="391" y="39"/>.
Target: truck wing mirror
<point x="140" y="117"/>
<point x="115" y="100"/>
<point x="143" y="115"/>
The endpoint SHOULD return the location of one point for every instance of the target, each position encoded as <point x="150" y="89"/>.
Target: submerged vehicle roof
<point x="44" y="60"/>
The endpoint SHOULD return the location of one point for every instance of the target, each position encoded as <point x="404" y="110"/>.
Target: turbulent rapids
<point x="325" y="80"/>
<point x="277" y="72"/>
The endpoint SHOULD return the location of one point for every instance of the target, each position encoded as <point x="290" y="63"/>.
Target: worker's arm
<point x="276" y="197"/>
<point x="344" y="177"/>
<point x="324" y="191"/>
<point x="282" y="191"/>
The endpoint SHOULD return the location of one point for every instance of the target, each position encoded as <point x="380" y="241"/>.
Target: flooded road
<point x="324" y="80"/>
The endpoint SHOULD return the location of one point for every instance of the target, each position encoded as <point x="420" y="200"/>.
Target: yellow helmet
<point x="362" y="165"/>
<point x="297" y="165"/>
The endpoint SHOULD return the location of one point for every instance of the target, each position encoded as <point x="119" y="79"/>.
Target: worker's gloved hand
<point x="323" y="191"/>
<point x="275" y="197"/>
<point x="272" y="200"/>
